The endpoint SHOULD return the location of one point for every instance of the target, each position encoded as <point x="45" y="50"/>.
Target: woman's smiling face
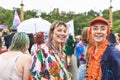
<point x="60" y="34"/>
<point x="99" y="32"/>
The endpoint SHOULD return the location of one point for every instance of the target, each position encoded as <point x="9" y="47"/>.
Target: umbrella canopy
<point x="3" y="27"/>
<point x="34" y="25"/>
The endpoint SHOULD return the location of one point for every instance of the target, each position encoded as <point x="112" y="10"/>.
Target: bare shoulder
<point x="26" y="58"/>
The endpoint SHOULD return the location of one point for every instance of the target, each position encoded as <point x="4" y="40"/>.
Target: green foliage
<point x="105" y="14"/>
<point x="116" y="26"/>
<point x="6" y="17"/>
<point x="81" y="20"/>
<point x="116" y="15"/>
<point x="30" y="14"/>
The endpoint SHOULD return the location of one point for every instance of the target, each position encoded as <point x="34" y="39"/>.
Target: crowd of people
<point x="29" y="57"/>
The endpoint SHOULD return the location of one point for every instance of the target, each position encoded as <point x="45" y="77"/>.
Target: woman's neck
<point x="55" y="44"/>
<point x="97" y="44"/>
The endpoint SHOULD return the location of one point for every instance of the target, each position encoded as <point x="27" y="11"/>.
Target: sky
<point x="78" y="6"/>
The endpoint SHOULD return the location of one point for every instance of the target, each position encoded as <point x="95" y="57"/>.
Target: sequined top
<point x="46" y="64"/>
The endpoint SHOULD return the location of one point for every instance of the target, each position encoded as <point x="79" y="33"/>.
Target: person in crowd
<point x="77" y="39"/>
<point x="5" y="32"/>
<point x="0" y="44"/>
<point x="3" y="47"/>
<point x="69" y="49"/>
<point x="80" y="51"/>
<point x="31" y="38"/>
<point x="112" y="38"/>
<point x="81" y="46"/>
<point x="8" y="38"/>
<point x="102" y="55"/>
<point x="50" y="61"/>
<point x="117" y="35"/>
<point x="38" y="40"/>
<point x="15" y="64"/>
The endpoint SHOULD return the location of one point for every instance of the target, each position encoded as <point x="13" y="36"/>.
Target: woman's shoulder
<point x="26" y="57"/>
<point x="24" y="60"/>
<point x="113" y="56"/>
<point x="115" y="53"/>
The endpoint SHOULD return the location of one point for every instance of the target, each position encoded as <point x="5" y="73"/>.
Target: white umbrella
<point x="34" y="25"/>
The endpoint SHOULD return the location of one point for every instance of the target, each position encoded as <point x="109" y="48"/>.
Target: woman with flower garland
<point x="49" y="64"/>
<point x="104" y="58"/>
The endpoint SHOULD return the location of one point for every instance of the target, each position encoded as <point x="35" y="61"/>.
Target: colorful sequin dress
<point x="46" y="64"/>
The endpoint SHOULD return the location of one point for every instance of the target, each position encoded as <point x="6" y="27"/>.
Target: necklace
<point x="57" y="54"/>
<point x="59" y="50"/>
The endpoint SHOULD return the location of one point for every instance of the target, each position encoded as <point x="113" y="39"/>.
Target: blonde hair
<point x="84" y="35"/>
<point x="54" y="25"/>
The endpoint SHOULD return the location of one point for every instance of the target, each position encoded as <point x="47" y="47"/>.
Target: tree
<point x="116" y="15"/>
<point x="30" y="14"/>
<point x="6" y="17"/>
<point x="116" y="27"/>
<point x="81" y="20"/>
<point x="105" y="13"/>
